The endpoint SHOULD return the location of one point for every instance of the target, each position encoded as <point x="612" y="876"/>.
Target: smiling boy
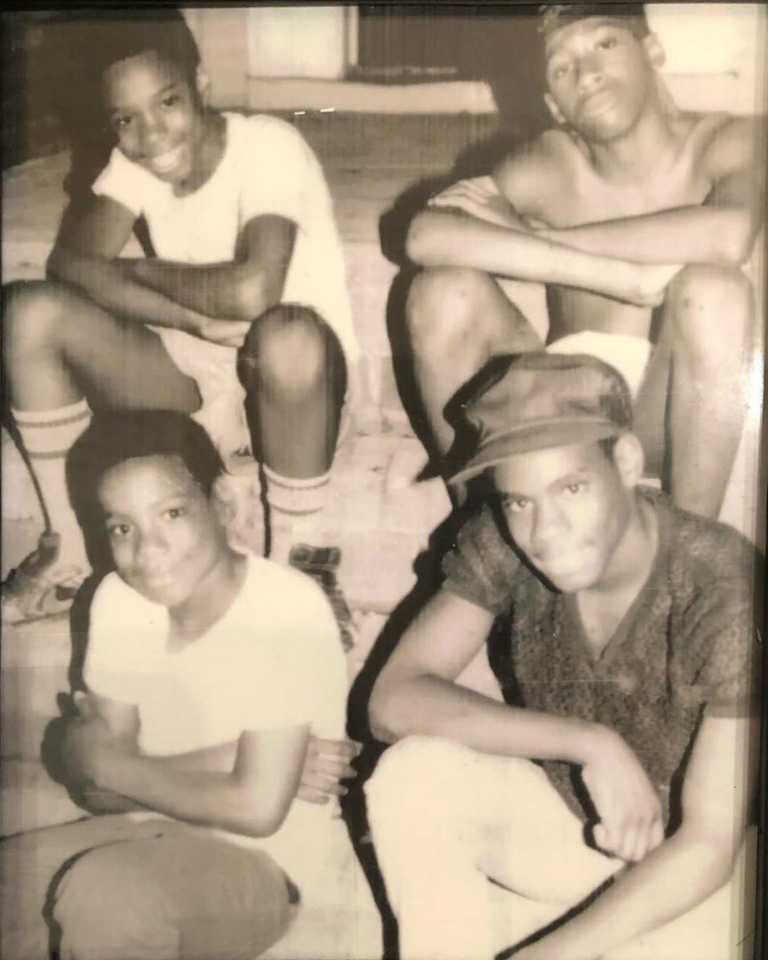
<point x="637" y="216"/>
<point x="241" y="318"/>
<point x="210" y="736"/>
<point x="626" y="664"/>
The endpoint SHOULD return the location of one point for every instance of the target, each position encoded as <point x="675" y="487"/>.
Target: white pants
<point x="445" y="819"/>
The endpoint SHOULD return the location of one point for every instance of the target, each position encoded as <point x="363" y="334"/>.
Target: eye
<point x="517" y="504"/>
<point x="122" y="122"/>
<point x="117" y="531"/>
<point x="170" y="101"/>
<point x="174" y="513"/>
<point x="558" y="72"/>
<point x="607" y="43"/>
<point x="573" y="489"/>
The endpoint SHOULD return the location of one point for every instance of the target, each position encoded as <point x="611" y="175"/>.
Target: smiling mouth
<point x="165" y="162"/>
<point x="598" y="103"/>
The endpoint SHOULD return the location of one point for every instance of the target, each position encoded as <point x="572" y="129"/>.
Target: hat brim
<point x="564" y="433"/>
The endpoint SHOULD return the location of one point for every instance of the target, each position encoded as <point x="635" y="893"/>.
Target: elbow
<point x="736" y="241"/>
<point x="253" y="817"/>
<point x="385" y="716"/>
<point x="418" y="242"/>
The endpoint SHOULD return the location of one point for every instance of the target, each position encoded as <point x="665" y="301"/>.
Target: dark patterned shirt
<point x="688" y="641"/>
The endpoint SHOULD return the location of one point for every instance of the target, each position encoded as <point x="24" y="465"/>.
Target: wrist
<point x="596" y="742"/>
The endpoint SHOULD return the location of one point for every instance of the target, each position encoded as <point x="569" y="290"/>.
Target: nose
<point x="588" y="72"/>
<point x="150" y="546"/>
<point x="547" y="527"/>
<point x="153" y="130"/>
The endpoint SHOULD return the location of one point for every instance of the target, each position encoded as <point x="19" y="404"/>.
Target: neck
<point x="211" y="599"/>
<point x="211" y="152"/>
<point x="637" y="154"/>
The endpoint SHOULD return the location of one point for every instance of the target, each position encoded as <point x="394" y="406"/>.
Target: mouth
<point x="164" y="163"/>
<point x="597" y="103"/>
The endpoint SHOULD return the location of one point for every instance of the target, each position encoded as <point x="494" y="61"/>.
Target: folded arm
<point x="684" y="870"/>
<point x="416" y="693"/>
<point x="722" y="230"/>
<point x="246" y="787"/>
<point x="443" y="238"/>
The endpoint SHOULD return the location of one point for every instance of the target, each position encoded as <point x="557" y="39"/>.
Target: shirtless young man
<point x="628" y="204"/>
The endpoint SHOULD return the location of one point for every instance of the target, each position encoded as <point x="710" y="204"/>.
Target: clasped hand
<point x="629" y="811"/>
<point x="480" y="197"/>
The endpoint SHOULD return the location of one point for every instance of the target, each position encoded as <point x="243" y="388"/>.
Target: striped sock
<point x="47" y="436"/>
<point x="295" y="506"/>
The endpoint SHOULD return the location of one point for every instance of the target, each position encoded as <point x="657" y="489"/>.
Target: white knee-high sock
<point x="47" y="436"/>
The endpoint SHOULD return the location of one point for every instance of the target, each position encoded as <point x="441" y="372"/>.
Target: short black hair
<point x="108" y="36"/>
<point x="555" y="16"/>
<point x="114" y="437"/>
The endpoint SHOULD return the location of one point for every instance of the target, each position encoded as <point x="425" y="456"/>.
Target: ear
<point x="203" y="83"/>
<point x="654" y="51"/>
<point x="553" y="109"/>
<point x="629" y="459"/>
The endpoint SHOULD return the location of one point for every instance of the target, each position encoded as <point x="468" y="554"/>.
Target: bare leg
<point x="60" y="347"/>
<point x="707" y="329"/>
<point x="457" y="319"/>
<point x="293" y="370"/>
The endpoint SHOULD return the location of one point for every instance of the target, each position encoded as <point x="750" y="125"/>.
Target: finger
<point x="656" y="835"/>
<point x="336" y="769"/>
<point x="321" y="785"/>
<point x="341" y="748"/>
<point x="311" y="796"/>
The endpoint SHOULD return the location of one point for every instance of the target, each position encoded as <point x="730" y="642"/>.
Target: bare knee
<point x="414" y="760"/>
<point x="290" y="353"/>
<point x="442" y="304"/>
<point x="710" y="310"/>
<point x="32" y="317"/>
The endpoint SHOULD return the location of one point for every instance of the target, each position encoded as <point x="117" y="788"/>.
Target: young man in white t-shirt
<point x="210" y="735"/>
<point x="241" y="318"/>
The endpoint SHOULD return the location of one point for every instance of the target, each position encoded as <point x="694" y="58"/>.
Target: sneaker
<point x="39" y="587"/>
<point x="321" y="563"/>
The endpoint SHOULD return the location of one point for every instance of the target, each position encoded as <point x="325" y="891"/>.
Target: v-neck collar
<point x="616" y="642"/>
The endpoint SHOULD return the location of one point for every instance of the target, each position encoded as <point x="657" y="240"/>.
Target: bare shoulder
<point x="724" y="142"/>
<point x="530" y="174"/>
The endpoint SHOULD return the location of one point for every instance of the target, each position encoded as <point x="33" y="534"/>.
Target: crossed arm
<point x="214" y="301"/>
<point x="483" y="224"/>
<point x="245" y="786"/>
<point x="416" y="693"/>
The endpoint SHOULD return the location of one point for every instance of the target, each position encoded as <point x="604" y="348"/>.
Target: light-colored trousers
<point x="445" y="820"/>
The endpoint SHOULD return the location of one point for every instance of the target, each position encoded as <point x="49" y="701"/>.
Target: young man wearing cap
<point x="628" y="204"/>
<point x="628" y="669"/>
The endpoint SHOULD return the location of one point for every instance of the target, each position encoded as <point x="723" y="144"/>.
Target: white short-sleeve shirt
<point x="273" y="660"/>
<point x="267" y="168"/>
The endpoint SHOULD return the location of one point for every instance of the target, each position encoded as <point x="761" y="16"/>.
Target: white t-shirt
<point x="273" y="660"/>
<point x="267" y="168"/>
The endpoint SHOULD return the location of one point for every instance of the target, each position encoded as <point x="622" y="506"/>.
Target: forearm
<point x="700" y="234"/>
<point x="237" y="291"/>
<point x="671" y="880"/>
<point x="211" y="797"/>
<point x="114" y="285"/>
<point x="431" y="706"/>
<point x="437" y="238"/>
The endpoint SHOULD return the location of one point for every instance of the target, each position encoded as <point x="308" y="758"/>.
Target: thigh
<point x="30" y="866"/>
<point x="182" y="886"/>
<point x="122" y="363"/>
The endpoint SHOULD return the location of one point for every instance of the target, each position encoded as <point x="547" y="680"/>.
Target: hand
<point x="480" y="197"/>
<point x="630" y="812"/>
<point x="84" y="736"/>
<point x="228" y="333"/>
<point x="326" y="763"/>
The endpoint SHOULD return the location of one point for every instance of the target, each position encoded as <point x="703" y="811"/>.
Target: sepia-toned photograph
<point x="384" y="481"/>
